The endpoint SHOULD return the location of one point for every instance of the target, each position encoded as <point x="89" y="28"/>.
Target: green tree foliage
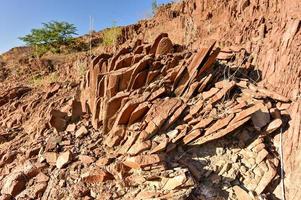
<point x="50" y="37"/>
<point x="154" y="6"/>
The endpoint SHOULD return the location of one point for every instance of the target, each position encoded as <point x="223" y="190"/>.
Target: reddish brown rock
<point x="51" y="157"/>
<point x="139" y="147"/>
<point x="58" y="120"/>
<point x="231" y="127"/>
<point x="154" y="47"/>
<point x="175" y="182"/>
<point x="82" y="131"/>
<point x="63" y="159"/>
<point x="210" y="93"/>
<point x="41" y="177"/>
<point x="247" y="112"/>
<point x="115" y="136"/>
<point x="29" y="169"/>
<point x="86" y="159"/>
<point x="221" y="93"/>
<point x="161" y="146"/>
<point x="203" y="123"/>
<point x="274" y="125"/>
<point x="14" y="184"/>
<point x="143" y="160"/>
<point x="96" y="176"/>
<point x="164" y="46"/>
<point x="192" y="135"/>
<point x="139" y="112"/>
<point x="221" y="123"/>
<point x="38" y="190"/>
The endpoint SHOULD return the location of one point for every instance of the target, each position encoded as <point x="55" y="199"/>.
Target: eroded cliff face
<point x="260" y="34"/>
<point x="268" y="32"/>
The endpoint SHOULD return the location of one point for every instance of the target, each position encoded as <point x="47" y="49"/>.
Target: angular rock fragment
<point x="274" y="125"/>
<point x="137" y="162"/>
<point x="231" y="127"/>
<point x="81" y="132"/>
<point x="139" y="146"/>
<point x="86" y="159"/>
<point x="96" y="176"/>
<point x="58" y="120"/>
<point x="51" y="157"/>
<point x="219" y="124"/>
<point x="191" y="136"/>
<point x="63" y="159"/>
<point x="14" y="184"/>
<point x="175" y="182"/>
<point x="241" y="194"/>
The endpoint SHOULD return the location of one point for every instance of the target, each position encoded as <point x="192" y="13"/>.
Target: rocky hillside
<point x="200" y="102"/>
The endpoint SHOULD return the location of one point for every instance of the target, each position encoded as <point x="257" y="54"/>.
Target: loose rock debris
<point x="165" y="124"/>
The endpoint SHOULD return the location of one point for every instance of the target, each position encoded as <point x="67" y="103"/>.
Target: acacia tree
<point x="50" y="37"/>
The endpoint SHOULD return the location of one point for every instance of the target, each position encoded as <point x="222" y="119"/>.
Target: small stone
<point x="81" y="132"/>
<point x="274" y="125"/>
<point x="175" y="182"/>
<point x="58" y="120"/>
<point x="13" y="184"/>
<point x="160" y="147"/>
<point x="63" y="159"/>
<point x="51" y="157"/>
<point x="86" y="159"/>
<point x="96" y="175"/>
<point x="41" y="177"/>
<point x="103" y="162"/>
<point x="52" y="143"/>
<point x="172" y="134"/>
<point x="39" y="190"/>
<point x="71" y="128"/>
<point x="29" y="169"/>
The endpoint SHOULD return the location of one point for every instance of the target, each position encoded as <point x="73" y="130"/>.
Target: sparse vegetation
<point x="111" y="35"/>
<point x="51" y="37"/>
<point x="80" y="68"/>
<point x="39" y="81"/>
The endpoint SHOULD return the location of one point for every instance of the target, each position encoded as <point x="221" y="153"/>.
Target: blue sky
<point x="18" y="17"/>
